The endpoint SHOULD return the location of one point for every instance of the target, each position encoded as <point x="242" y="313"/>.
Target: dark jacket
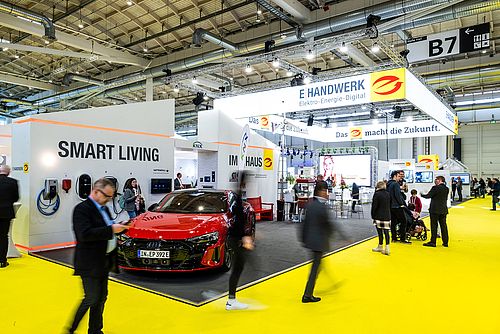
<point x="9" y="193"/>
<point x="241" y="226"/>
<point x="394" y="191"/>
<point x="317" y="227"/>
<point x="129" y="198"/>
<point x="92" y="235"/>
<point x="495" y="189"/>
<point x="439" y="198"/>
<point x="381" y="205"/>
<point x="177" y="184"/>
<point x="355" y="191"/>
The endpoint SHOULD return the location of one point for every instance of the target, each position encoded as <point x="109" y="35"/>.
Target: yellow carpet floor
<point x="414" y="290"/>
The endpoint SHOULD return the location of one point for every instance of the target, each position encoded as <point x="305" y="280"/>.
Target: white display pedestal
<point x="12" y="251"/>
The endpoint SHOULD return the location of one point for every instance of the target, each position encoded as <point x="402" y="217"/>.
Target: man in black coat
<point x="438" y="210"/>
<point x="95" y="243"/>
<point x="9" y="193"/>
<point x="398" y="205"/>
<point x="315" y="236"/>
<point x="178" y="182"/>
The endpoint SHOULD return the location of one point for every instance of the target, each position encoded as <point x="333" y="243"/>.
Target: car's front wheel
<point x="228" y="258"/>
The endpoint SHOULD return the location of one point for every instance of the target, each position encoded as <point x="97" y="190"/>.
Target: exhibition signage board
<point x="449" y="43"/>
<point x="388" y="85"/>
<point x="432" y="159"/>
<point x="414" y="129"/>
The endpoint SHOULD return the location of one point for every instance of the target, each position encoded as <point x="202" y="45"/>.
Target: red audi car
<point x="187" y="231"/>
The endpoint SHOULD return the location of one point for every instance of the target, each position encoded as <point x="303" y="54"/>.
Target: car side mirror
<point x="153" y="207"/>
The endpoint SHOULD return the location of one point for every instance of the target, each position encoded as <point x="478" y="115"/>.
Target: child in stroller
<point x="416" y="227"/>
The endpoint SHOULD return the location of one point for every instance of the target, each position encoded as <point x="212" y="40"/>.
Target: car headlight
<point x="122" y="238"/>
<point x="205" y="238"/>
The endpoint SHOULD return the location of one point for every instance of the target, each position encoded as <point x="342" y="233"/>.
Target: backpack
<point x="121" y="202"/>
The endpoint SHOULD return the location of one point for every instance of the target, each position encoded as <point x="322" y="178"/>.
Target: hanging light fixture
<point x="307" y="80"/>
<point x="310" y="55"/>
<point x="195" y="81"/>
<point x="80" y="24"/>
<point x="289" y="73"/>
<point x="130" y="3"/>
<point x="248" y="68"/>
<point x="344" y="48"/>
<point x="276" y="63"/>
<point x="176" y="89"/>
<point x="375" y="48"/>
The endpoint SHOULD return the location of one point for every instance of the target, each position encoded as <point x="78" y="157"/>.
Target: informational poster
<point x="350" y="168"/>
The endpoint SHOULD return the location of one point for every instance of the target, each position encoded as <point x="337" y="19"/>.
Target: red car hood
<point x="173" y="225"/>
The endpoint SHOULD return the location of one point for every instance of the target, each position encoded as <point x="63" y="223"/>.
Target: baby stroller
<point x="415" y="227"/>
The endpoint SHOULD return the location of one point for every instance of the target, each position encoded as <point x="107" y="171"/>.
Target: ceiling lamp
<point x="130" y="3"/>
<point x="276" y="63"/>
<point x="205" y="97"/>
<point x="289" y="73"/>
<point x="80" y="25"/>
<point x="310" y="55"/>
<point x="145" y="49"/>
<point x="248" y="69"/>
<point x="375" y="48"/>
<point x="176" y="89"/>
<point x="344" y="48"/>
<point x="194" y="81"/>
<point x="307" y="80"/>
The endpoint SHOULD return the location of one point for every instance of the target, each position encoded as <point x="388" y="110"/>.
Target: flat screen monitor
<point x="465" y="177"/>
<point x="408" y="175"/>
<point x="161" y="186"/>
<point x="424" y="177"/>
<point x="351" y="168"/>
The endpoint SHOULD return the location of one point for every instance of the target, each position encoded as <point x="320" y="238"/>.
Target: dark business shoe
<point x="445" y="245"/>
<point x="429" y="244"/>
<point x="493" y="209"/>
<point x="4" y="264"/>
<point x="405" y="242"/>
<point x="311" y="299"/>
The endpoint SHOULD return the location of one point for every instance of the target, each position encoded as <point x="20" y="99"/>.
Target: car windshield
<point x="193" y="202"/>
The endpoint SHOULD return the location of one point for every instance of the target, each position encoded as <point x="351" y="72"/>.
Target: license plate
<point x="153" y="254"/>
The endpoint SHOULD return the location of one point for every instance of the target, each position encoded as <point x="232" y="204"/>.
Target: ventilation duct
<point x="70" y="77"/>
<point x="201" y="34"/>
<point x="50" y="30"/>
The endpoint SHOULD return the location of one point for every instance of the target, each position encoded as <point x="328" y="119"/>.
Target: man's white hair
<point x="5" y="169"/>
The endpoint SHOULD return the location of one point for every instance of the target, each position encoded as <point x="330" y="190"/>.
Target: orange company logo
<point x="264" y="122"/>
<point x="426" y="160"/>
<point x="356" y="133"/>
<point x="268" y="159"/>
<point x="387" y="85"/>
<point x="268" y="162"/>
<point x="407" y="164"/>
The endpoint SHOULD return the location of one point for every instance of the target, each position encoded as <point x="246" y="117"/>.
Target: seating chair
<point x="260" y="212"/>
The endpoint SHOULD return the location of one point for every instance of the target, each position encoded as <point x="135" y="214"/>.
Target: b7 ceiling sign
<point x="449" y="43"/>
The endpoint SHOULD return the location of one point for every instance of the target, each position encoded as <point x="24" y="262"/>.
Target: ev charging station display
<point x="68" y="151"/>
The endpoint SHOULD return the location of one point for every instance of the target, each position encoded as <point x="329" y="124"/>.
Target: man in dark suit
<point x="9" y="193"/>
<point x="178" y="182"/>
<point x="95" y="243"/>
<point x="438" y="210"/>
<point x="315" y="236"/>
<point x="398" y="207"/>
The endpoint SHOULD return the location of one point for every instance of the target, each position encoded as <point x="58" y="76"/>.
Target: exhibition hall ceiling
<point x="103" y="50"/>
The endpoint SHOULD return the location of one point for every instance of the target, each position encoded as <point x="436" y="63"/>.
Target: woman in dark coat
<point x="381" y="215"/>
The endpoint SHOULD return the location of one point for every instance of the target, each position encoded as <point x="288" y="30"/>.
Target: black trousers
<point x="311" y="281"/>
<point x="96" y="292"/>
<point x="441" y="220"/>
<point x="239" y="259"/>
<point x="4" y="238"/>
<point x="459" y="192"/>
<point x="398" y="218"/>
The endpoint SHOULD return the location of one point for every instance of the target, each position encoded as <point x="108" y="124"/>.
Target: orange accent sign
<point x="356" y="133"/>
<point x="388" y="85"/>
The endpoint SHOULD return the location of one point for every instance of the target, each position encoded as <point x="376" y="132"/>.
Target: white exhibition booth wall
<point x="121" y="141"/>
<point x="261" y="160"/>
<point x="134" y="140"/>
<point x="5" y="144"/>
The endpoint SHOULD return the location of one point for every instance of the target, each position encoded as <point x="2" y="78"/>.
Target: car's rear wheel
<point x="228" y="258"/>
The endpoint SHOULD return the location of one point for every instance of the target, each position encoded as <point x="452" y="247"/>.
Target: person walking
<point x="94" y="252"/>
<point x="381" y="215"/>
<point x="495" y="192"/>
<point x="398" y="205"/>
<point x="438" y="211"/>
<point x="240" y="242"/>
<point x="316" y="233"/>
<point x="482" y="187"/>
<point x="9" y="193"/>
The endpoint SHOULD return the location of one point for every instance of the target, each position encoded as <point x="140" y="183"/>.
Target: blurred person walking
<point x="459" y="188"/>
<point x="315" y="236"/>
<point x="482" y="187"/>
<point x="438" y="211"/>
<point x="398" y="205"/>
<point x="240" y="242"/>
<point x="95" y="253"/>
<point x="381" y="215"/>
<point x="9" y="193"/>
<point x="354" y="196"/>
